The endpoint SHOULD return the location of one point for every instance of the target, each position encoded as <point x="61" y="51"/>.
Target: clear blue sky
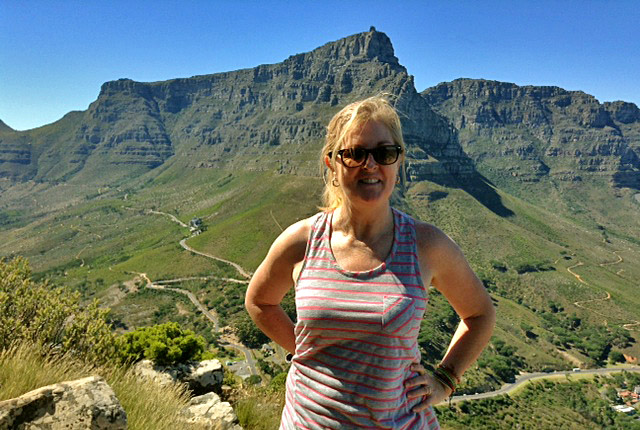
<point x="54" y="55"/>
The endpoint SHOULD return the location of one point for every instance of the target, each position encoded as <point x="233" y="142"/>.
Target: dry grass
<point x="148" y="406"/>
<point x="259" y="408"/>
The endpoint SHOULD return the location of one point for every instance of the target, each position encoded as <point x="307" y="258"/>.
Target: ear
<point x="327" y="162"/>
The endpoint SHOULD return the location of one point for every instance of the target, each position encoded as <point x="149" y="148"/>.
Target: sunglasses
<point x="355" y="157"/>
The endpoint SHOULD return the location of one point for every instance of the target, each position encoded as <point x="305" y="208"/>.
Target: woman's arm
<point x="444" y="265"/>
<point x="271" y="281"/>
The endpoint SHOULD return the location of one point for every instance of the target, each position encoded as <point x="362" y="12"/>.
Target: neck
<point x="363" y="224"/>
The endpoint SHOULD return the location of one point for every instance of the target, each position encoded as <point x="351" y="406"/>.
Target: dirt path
<point x="239" y="268"/>
<point x="618" y="261"/>
<point x="580" y="304"/>
<point x="170" y="216"/>
<point x="578" y="277"/>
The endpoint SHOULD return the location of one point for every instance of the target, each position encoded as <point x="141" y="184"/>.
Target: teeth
<point x="370" y="181"/>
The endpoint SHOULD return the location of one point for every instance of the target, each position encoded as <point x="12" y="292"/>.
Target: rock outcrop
<point x="209" y="410"/>
<point x="87" y="403"/>
<point x="201" y="377"/>
<point x="528" y="133"/>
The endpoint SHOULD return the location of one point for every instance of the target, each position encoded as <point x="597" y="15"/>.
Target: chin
<point x="371" y="199"/>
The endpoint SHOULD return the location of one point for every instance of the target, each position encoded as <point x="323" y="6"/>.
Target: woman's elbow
<point x="489" y="315"/>
<point x="250" y="303"/>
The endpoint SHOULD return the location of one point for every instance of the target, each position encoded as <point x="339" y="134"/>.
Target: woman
<point x="360" y="270"/>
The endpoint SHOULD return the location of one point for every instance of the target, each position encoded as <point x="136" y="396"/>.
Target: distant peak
<point x="5" y="127"/>
<point x="123" y="85"/>
<point x="370" y="45"/>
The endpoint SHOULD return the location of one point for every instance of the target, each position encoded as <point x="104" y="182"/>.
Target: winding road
<point x="521" y="379"/>
<point x="628" y="326"/>
<point x="211" y="315"/>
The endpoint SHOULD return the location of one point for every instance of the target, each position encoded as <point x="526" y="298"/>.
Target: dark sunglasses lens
<point x="386" y="154"/>
<point x="353" y="157"/>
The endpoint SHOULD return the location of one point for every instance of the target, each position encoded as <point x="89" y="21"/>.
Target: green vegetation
<point x="48" y="337"/>
<point x="49" y="316"/>
<point x="25" y="367"/>
<point x="164" y="344"/>
<point x="596" y="342"/>
<point x="248" y="333"/>
<point x="259" y="408"/>
<point x="542" y="405"/>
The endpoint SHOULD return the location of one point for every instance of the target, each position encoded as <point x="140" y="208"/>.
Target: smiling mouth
<point x="369" y="181"/>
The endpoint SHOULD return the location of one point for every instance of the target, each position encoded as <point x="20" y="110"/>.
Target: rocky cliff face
<point x="271" y="117"/>
<point x="531" y="133"/>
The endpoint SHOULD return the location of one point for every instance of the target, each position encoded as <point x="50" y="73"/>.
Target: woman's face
<point x="371" y="183"/>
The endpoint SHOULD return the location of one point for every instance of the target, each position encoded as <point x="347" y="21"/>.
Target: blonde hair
<point x="351" y="118"/>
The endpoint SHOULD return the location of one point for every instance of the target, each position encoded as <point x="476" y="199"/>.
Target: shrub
<point x="616" y="357"/>
<point x="164" y="344"/>
<point x="253" y="380"/>
<point x="50" y="316"/>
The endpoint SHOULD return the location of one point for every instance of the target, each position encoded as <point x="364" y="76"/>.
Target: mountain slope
<point x="558" y="148"/>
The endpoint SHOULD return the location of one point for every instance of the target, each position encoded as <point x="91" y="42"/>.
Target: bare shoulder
<point x="440" y="257"/>
<point x="273" y="278"/>
<point x="292" y="242"/>
<point x="434" y="242"/>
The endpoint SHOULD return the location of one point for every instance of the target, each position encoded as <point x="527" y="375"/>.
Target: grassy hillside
<point x="534" y="261"/>
<point x="567" y="404"/>
<point x="563" y="287"/>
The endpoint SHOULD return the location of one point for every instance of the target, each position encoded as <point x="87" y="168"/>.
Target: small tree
<point x="616" y="357"/>
<point x="164" y="344"/>
<point x="248" y="333"/>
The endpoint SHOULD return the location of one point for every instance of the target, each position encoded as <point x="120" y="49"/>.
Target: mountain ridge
<point x="545" y="130"/>
<point x="227" y="119"/>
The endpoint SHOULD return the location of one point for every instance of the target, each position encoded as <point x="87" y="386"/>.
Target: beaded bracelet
<point x="450" y="373"/>
<point x="444" y="379"/>
<point x="447" y="377"/>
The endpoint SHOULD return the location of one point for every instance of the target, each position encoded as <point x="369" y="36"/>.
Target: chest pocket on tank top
<point x="398" y="314"/>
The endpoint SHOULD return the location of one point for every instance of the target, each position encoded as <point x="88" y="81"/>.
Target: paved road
<point x="247" y="354"/>
<point x="521" y="379"/>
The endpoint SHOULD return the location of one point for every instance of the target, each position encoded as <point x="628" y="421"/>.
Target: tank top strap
<point x="318" y="245"/>
<point x="318" y="252"/>
<point x="406" y="243"/>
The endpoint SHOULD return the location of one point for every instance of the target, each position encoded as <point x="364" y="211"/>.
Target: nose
<point x="370" y="162"/>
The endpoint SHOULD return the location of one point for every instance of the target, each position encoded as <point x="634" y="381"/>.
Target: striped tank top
<point x="356" y="337"/>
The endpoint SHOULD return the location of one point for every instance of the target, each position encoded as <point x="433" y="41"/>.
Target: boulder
<point x="201" y="377"/>
<point x="210" y="411"/>
<point x="87" y="403"/>
<point x="205" y="376"/>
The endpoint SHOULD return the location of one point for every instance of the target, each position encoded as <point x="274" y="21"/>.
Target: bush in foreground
<point x="51" y="317"/>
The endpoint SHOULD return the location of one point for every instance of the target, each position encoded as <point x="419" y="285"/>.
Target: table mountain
<point x="267" y="118"/>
